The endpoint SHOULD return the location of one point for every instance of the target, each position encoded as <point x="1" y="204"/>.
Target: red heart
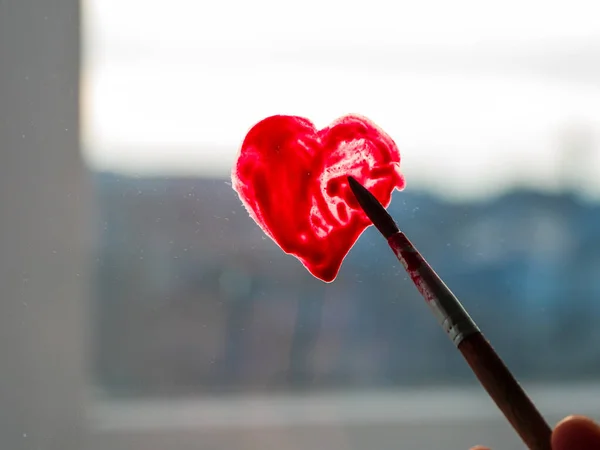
<point x="291" y="178"/>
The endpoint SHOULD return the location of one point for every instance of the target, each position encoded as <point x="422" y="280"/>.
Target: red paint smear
<point x="411" y="257"/>
<point x="291" y="178"/>
<point x="413" y="262"/>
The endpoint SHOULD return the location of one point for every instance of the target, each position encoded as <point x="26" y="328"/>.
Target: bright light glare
<point x="477" y="96"/>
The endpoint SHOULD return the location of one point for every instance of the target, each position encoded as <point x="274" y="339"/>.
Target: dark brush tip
<point x="373" y="209"/>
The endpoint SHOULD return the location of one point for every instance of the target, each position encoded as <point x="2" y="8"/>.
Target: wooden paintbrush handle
<point x="454" y="319"/>
<point x="506" y="392"/>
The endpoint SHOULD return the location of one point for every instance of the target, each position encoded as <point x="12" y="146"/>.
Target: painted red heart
<point x="291" y="178"/>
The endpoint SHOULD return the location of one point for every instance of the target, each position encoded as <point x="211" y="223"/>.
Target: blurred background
<point x="145" y="309"/>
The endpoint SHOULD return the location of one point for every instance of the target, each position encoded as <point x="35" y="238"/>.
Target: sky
<point x="479" y="97"/>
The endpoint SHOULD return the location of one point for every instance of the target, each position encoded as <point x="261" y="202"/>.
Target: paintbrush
<point x="462" y="330"/>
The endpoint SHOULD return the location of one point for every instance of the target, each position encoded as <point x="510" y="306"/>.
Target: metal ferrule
<point x="443" y="303"/>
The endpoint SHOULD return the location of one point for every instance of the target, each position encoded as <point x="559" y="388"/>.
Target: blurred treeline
<point x="191" y="297"/>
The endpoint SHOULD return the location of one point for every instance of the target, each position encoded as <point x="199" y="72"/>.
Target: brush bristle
<point x="373" y="209"/>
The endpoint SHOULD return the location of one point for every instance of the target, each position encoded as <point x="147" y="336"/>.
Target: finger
<point x="576" y="433"/>
<point x="480" y="447"/>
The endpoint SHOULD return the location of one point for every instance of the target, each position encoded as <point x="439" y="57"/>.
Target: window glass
<point x="496" y="112"/>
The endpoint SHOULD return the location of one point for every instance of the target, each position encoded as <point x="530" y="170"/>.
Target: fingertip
<point x="576" y="433"/>
<point x="480" y="447"/>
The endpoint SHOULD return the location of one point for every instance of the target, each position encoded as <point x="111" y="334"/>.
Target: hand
<point x="573" y="433"/>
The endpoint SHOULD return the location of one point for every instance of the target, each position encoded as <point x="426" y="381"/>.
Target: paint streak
<point x="291" y="178"/>
<point x="413" y="262"/>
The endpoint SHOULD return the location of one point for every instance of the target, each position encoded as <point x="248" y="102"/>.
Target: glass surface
<point x="496" y="113"/>
<point x="499" y="150"/>
<point x="143" y="309"/>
